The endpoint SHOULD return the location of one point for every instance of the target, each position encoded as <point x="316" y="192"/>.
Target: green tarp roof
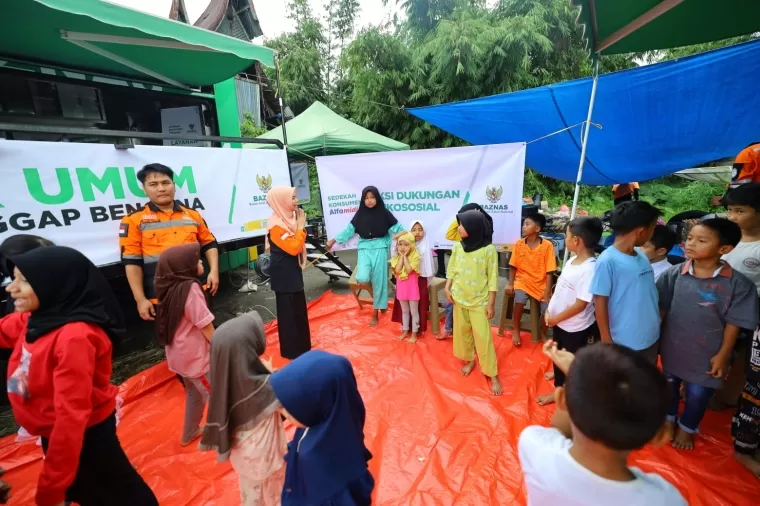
<point x="319" y="131"/>
<point x="100" y="36"/>
<point x="617" y="26"/>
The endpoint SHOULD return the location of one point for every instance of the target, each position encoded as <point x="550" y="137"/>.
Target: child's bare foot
<point x="373" y="321"/>
<point x="516" y="337"/>
<point x="403" y="335"/>
<point x="468" y="367"/>
<point x="414" y="337"/>
<point x="549" y="376"/>
<point x="496" y="388"/>
<point x="198" y="433"/>
<point x="670" y="430"/>
<point x="683" y="440"/>
<point x="749" y="462"/>
<point x="544" y="400"/>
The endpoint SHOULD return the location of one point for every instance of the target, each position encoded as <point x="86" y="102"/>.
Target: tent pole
<point x="584" y="144"/>
<point x="282" y="114"/>
<point x="279" y="96"/>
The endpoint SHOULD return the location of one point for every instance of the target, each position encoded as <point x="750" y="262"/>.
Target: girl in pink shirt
<point x="406" y="268"/>
<point x="184" y="327"/>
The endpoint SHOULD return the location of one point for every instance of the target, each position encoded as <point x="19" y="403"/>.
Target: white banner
<point x="430" y="185"/>
<point x="75" y="194"/>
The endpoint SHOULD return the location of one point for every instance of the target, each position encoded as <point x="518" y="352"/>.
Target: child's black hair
<point x="747" y="194"/>
<point x="154" y="168"/>
<point x="631" y="215"/>
<point x="728" y="232"/>
<point x="17" y="245"/>
<point x="615" y="396"/>
<point x="537" y="218"/>
<point x="588" y="229"/>
<point x="663" y="237"/>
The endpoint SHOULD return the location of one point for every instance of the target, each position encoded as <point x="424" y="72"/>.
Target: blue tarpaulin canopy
<point x="655" y="119"/>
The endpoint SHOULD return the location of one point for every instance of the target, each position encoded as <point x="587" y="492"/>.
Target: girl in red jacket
<point x="59" y="378"/>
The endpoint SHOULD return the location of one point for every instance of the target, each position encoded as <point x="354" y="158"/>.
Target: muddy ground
<point x="138" y="351"/>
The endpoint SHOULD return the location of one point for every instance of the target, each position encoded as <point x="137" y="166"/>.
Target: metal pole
<point x="282" y="105"/>
<point x="282" y="114"/>
<point x="584" y="144"/>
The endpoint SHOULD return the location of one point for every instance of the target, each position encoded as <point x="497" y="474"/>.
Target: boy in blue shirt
<point x="625" y="296"/>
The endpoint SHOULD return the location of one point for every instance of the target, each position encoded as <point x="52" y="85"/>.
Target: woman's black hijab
<point x="473" y="206"/>
<point x="478" y="230"/>
<point x="70" y="289"/>
<point x="375" y="222"/>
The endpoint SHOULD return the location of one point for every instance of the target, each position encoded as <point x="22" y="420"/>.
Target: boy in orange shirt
<point x="532" y="264"/>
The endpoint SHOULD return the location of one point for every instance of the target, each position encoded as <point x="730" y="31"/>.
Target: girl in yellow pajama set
<point x="472" y="282"/>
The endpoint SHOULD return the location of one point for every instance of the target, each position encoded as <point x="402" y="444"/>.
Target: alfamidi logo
<point x="264" y="182"/>
<point x="494" y="194"/>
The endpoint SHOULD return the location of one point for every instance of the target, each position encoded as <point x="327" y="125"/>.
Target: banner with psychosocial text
<point x="75" y="194"/>
<point x="430" y="185"/>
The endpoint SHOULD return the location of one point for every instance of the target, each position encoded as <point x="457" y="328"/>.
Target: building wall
<point x="249" y="99"/>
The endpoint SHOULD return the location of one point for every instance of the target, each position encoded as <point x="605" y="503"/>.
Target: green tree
<point x="301" y="52"/>
<point x="339" y="22"/>
<point x="681" y="52"/>
<point x="441" y="51"/>
<point x="449" y="50"/>
<point x="249" y="129"/>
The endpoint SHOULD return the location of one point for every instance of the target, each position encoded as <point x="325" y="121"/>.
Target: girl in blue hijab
<point x="326" y="460"/>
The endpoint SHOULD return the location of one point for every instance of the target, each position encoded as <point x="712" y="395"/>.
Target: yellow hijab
<point x="413" y="257"/>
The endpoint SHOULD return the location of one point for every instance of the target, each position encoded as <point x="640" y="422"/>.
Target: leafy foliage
<point x="301" y="58"/>
<point x="441" y="51"/>
<point x="249" y="129"/>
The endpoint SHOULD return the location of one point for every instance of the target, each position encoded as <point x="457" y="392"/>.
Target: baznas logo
<point x="493" y="194"/>
<point x="264" y="182"/>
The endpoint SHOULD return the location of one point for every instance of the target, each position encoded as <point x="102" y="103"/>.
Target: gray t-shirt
<point x="697" y="311"/>
<point x="745" y="258"/>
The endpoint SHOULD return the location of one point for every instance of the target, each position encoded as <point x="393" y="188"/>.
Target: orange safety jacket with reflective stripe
<point x="621" y="190"/>
<point x="746" y="167"/>
<point x="145" y="234"/>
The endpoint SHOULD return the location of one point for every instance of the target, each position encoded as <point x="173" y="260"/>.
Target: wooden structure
<point x="357" y="288"/>
<point x="533" y="309"/>
<point x="434" y="312"/>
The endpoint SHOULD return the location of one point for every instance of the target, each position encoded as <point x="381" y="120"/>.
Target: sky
<point x="272" y="13"/>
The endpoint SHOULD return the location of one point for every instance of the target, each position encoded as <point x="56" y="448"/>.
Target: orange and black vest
<point x="145" y="234"/>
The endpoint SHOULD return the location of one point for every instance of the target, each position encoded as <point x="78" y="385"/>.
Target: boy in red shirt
<point x="532" y="264"/>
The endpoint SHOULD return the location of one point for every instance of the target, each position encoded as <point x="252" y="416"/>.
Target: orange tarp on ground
<point x="437" y="438"/>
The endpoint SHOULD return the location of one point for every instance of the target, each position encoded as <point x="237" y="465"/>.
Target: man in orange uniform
<point x="625" y="192"/>
<point x="746" y="169"/>
<point x="746" y="166"/>
<point x="161" y="224"/>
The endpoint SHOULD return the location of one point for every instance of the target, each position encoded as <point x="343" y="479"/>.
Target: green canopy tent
<point x="319" y="131"/>
<point x="100" y="36"/>
<point x="622" y="26"/>
<point x="629" y="26"/>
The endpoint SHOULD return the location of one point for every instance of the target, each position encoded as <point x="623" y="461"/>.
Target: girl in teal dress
<point x="376" y="227"/>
